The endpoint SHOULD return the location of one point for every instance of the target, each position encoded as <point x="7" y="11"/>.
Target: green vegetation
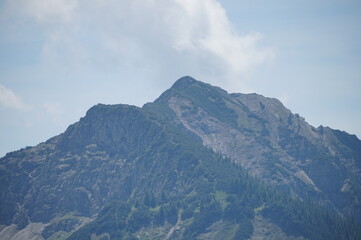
<point x="137" y="169"/>
<point x="232" y="196"/>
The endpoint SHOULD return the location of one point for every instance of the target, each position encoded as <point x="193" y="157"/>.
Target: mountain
<point x="275" y="145"/>
<point x="197" y="163"/>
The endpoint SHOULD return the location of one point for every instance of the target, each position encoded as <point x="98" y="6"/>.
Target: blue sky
<point x="60" y="57"/>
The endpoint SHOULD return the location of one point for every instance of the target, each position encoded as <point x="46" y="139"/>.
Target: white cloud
<point x="45" y="12"/>
<point x="206" y="28"/>
<point x="162" y="38"/>
<point x="10" y="100"/>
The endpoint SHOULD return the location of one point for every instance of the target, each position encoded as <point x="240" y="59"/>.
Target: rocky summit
<point x="197" y="163"/>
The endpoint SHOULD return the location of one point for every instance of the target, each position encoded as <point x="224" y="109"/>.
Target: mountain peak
<point x="101" y="109"/>
<point x="191" y="89"/>
<point x="184" y="82"/>
<point x="127" y="172"/>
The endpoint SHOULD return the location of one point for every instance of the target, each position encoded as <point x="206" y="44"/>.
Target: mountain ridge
<point x="178" y="163"/>
<point x="267" y="123"/>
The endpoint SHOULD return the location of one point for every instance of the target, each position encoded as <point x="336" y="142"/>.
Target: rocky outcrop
<point x="175" y="169"/>
<point x="271" y="142"/>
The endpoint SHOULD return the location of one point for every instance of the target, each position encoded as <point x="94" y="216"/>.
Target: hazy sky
<point x="60" y="57"/>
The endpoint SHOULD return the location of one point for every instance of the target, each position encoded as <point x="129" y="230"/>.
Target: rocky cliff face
<point x="171" y="170"/>
<point x="111" y="153"/>
<point x="271" y="142"/>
